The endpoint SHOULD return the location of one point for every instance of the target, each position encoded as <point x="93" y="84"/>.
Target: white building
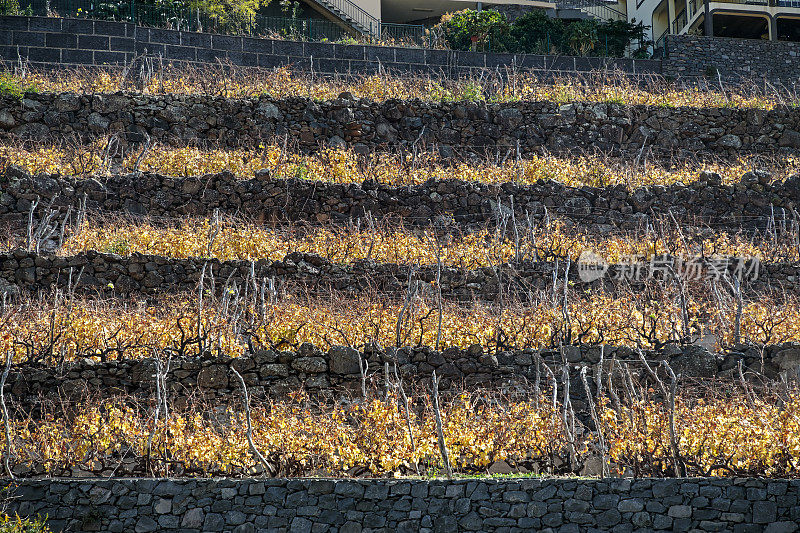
<point x="748" y="19"/>
<point x="753" y="19"/>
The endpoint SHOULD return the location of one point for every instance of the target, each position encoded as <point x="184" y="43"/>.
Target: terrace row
<point x="338" y="371"/>
<point x="137" y="274"/>
<point x="753" y="202"/>
<point x="520" y="127"/>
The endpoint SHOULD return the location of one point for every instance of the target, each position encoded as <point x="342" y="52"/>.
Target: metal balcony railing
<point x="353" y="15"/>
<point x="692" y="6"/>
<point x="170" y="16"/>
<point x="660" y="46"/>
<point x="679" y="23"/>
<point x="604" y="12"/>
<point x="749" y="2"/>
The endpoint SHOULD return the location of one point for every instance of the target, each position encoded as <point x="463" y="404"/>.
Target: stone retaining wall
<point x="437" y="202"/>
<point x="270" y="373"/>
<point x="306" y="505"/>
<point x="139" y="274"/>
<point x="83" y="42"/>
<point x="478" y="127"/>
<point x="734" y="60"/>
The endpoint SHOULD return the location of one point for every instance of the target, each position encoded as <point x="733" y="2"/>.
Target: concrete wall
<point x="56" y="41"/>
<point x="306" y="505"/>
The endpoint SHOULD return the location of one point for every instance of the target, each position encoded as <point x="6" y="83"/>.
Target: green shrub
<point x="16" y="524"/>
<point x="10" y="85"/>
<point x="119" y="247"/>
<point x="475" y="30"/>
<point x="615" y="36"/>
<point x="9" y="7"/>
<point x="536" y="33"/>
<point x="581" y="36"/>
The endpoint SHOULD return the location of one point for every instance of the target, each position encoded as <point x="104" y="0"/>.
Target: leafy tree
<point x="230" y="15"/>
<point x="536" y="33"/>
<point x="290" y="8"/>
<point x="9" y="7"/>
<point x="470" y="29"/>
<point x="581" y="36"/>
<point x="617" y="35"/>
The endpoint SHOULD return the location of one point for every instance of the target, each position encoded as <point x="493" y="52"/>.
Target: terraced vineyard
<point x="324" y="301"/>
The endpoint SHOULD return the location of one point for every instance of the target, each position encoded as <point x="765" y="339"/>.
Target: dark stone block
<point x="764" y="512"/>
<point x="93" y="42"/>
<point x="603" y="63"/>
<point x="199" y="40"/>
<point x="153" y="49"/>
<point x="531" y="61"/>
<point x="6" y="38"/>
<point x="409" y="55"/>
<point x="78" y="57"/>
<point x="28" y="38"/>
<point x="559" y="63"/>
<point x="439" y="57"/>
<point x="363" y="68"/>
<point x="288" y="48"/>
<point x="109" y="58"/>
<point x="436" y="71"/>
<point x="330" y="66"/>
<point x="348" y="51"/>
<point x="226" y="42"/>
<point x="583" y="64"/>
<point x="470" y="59"/>
<point x="14" y="23"/>
<point x="257" y="46"/>
<point x="44" y="55"/>
<point x="10" y="53"/>
<point x="123" y="44"/>
<point x="181" y="53"/>
<point x="321" y="50"/>
<point x="644" y="66"/>
<point x="499" y="60"/>
<point x="164" y="36"/>
<point x="272" y="61"/>
<point x="384" y="54"/>
<point x="433" y="70"/>
<point x="622" y="64"/>
<point x="395" y="68"/>
<point x="248" y="59"/>
<point x="84" y="26"/>
<point x="235" y="57"/>
<point x="115" y="29"/>
<point x="45" y="24"/>
<point x="209" y="55"/>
